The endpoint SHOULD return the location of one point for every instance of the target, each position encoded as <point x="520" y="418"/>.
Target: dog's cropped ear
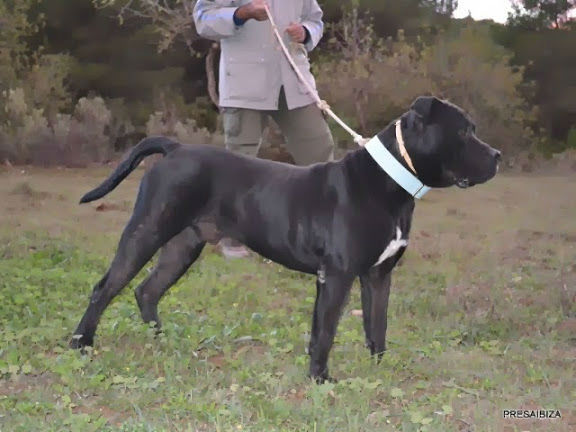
<point x="424" y="106"/>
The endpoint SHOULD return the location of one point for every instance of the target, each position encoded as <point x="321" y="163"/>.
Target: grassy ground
<point x="482" y="319"/>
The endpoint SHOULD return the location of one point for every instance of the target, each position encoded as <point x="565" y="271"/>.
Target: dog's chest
<point x="392" y="248"/>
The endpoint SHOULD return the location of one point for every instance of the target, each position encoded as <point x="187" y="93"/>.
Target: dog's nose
<point x="497" y="155"/>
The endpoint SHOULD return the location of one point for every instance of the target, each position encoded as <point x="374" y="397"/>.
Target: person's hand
<point x="253" y="10"/>
<point x="296" y="32"/>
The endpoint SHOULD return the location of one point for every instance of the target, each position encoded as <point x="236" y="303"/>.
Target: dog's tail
<point x="146" y="147"/>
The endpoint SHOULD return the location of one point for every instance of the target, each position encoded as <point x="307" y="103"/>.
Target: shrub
<point x="31" y="108"/>
<point x="45" y="84"/>
<point x="28" y="137"/>
<point x="382" y="78"/>
<point x="471" y="70"/>
<point x="179" y="120"/>
<point x="24" y="127"/>
<point x="185" y="131"/>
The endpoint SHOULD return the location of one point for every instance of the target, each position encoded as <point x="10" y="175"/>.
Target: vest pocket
<point x="246" y="80"/>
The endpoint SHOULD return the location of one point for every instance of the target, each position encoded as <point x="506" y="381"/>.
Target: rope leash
<point x="322" y="104"/>
<point x="403" y="176"/>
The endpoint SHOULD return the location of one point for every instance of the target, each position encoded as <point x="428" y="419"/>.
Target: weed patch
<point x="479" y="322"/>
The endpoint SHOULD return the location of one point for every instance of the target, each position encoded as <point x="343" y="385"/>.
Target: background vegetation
<point x="82" y="80"/>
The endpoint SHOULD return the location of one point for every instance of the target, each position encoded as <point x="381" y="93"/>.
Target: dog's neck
<point x="370" y="175"/>
<point x="395" y="141"/>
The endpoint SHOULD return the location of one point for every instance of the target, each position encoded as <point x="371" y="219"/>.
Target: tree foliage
<point x="16" y="27"/>
<point x="443" y="7"/>
<point x="146" y="61"/>
<point x="542" y="14"/>
<point x="26" y="66"/>
<point x="172" y="18"/>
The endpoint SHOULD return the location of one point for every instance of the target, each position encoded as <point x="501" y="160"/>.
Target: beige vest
<point x="252" y="66"/>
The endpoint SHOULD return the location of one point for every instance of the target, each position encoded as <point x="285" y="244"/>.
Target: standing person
<point x="256" y="79"/>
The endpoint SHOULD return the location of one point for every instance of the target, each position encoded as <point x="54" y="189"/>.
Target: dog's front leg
<point x="332" y="291"/>
<point x="375" y="294"/>
<point x="320" y="282"/>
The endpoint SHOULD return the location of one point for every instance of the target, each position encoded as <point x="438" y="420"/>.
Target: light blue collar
<point x="409" y="182"/>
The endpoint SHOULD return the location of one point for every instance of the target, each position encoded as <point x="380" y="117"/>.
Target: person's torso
<point x="253" y="66"/>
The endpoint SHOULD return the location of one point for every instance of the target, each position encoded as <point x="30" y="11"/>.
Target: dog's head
<point x="444" y="147"/>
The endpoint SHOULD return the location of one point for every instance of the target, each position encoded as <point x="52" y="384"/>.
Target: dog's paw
<point x="377" y="355"/>
<point x="322" y="377"/>
<point x="325" y="379"/>
<point x="80" y="342"/>
<point x="376" y="352"/>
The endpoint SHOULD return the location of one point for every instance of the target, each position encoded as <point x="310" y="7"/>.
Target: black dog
<point x="337" y="220"/>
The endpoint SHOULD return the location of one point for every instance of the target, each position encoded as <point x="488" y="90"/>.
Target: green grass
<point x="482" y="318"/>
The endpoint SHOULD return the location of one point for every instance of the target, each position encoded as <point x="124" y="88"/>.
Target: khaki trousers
<point x="308" y="138"/>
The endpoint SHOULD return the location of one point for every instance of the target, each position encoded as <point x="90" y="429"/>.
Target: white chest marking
<point x="393" y="247"/>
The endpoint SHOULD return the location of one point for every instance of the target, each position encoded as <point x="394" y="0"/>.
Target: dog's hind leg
<point x="146" y="232"/>
<point x="331" y="297"/>
<point x="175" y="258"/>
<point x="169" y="195"/>
<point x="375" y="292"/>
<point x="135" y="249"/>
